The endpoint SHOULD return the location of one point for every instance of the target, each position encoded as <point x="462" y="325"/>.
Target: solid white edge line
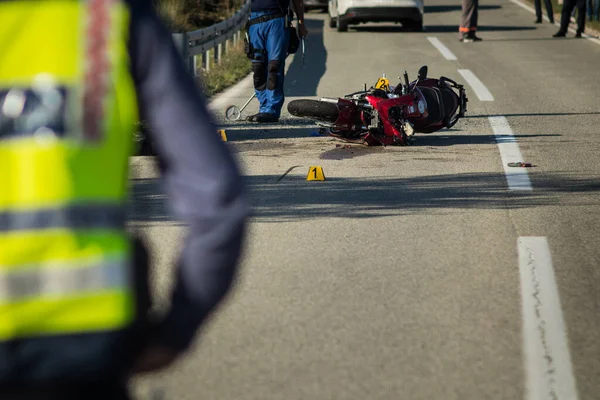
<point x="556" y="23"/>
<point x="548" y="366"/>
<point x="517" y="178"/>
<point x="236" y="90"/>
<point x="441" y="48"/>
<point x="478" y="87"/>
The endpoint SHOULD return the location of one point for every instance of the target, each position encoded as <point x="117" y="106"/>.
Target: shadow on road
<point x="481" y="28"/>
<point x="304" y="80"/>
<point x="378" y="28"/>
<point x="457" y="140"/>
<point x="252" y="132"/>
<point x="531" y="115"/>
<point x="448" y="8"/>
<point x="239" y="139"/>
<point x="437" y="28"/>
<point x="278" y="199"/>
<point x="148" y="202"/>
<point x="296" y="199"/>
<point x="525" y="39"/>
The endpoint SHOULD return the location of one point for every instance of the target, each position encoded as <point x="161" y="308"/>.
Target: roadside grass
<point x="557" y="8"/>
<point x="174" y="14"/>
<point x="189" y="15"/>
<point x="233" y="67"/>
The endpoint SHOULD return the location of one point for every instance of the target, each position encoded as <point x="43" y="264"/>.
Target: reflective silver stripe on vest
<point x="56" y="280"/>
<point x="72" y="216"/>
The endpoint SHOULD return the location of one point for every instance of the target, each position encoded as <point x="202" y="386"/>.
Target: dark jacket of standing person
<point x="74" y="79"/>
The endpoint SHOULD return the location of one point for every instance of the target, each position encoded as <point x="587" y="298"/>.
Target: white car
<point x="351" y="12"/>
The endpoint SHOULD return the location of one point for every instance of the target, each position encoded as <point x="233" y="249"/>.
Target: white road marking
<point x="478" y="87"/>
<point x="548" y="364"/>
<point x="557" y="23"/>
<point x="517" y="178"/>
<point x="442" y="49"/>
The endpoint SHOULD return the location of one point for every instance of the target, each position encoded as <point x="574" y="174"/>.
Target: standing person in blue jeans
<point x="269" y="40"/>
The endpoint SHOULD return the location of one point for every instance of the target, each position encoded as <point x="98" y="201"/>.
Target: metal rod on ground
<point x="248" y="102"/>
<point x="303" y="51"/>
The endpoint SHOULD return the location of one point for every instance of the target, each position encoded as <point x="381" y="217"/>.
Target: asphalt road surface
<point x="432" y="271"/>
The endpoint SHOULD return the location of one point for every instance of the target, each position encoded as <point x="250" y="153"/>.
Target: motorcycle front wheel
<point x="314" y="109"/>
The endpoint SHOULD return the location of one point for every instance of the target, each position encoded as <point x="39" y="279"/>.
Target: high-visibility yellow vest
<point x="67" y="114"/>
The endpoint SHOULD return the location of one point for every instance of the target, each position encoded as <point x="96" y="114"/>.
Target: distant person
<point x="565" y="17"/>
<point x="549" y="10"/>
<point x="468" y="21"/>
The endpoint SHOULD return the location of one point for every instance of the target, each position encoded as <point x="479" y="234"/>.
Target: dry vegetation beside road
<point x="188" y="15"/>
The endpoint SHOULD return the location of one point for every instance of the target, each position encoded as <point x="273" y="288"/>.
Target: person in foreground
<point x="269" y="40"/>
<point x="75" y="317"/>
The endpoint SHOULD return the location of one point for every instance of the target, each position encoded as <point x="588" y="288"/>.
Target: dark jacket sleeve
<point x="201" y="178"/>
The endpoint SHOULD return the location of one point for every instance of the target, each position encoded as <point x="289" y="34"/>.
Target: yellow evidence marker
<point x="315" y="174"/>
<point x="223" y="135"/>
<point x="383" y="83"/>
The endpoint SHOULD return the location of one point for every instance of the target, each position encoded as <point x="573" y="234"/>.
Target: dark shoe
<point x="538" y="21"/>
<point x="252" y="118"/>
<point x="552" y="21"/>
<point x="471" y="37"/>
<point x="578" y="35"/>
<point x="267" y="118"/>
<point x="560" y="34"/>
<point x="263" y="118"/>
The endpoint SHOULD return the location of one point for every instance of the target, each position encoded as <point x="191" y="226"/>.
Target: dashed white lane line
<point x="547" y="358"/>
<point x="478" y="87"/>
<point x="517" y="178"/>
<point x="442" y="49"/>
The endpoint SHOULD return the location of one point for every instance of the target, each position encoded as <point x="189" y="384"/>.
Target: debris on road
<point x="520" y="164"/>
<point x="287" y="172"/>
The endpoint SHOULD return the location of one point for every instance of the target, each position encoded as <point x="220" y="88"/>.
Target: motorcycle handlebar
<point x="357" y="93"/>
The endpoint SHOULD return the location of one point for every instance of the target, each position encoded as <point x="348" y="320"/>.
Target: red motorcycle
<point x="388" y="115"/>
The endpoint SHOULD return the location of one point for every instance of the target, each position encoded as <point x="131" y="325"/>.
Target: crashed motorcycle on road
<point x="388" y="115"/>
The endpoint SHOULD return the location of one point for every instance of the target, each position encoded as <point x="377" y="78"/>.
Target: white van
<point x="352" y="12"/>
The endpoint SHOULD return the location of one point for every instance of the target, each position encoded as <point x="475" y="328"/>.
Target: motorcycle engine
<point x="396" y="114"/>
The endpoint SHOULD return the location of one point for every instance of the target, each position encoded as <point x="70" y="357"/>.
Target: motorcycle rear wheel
<point x="314" y="109"/>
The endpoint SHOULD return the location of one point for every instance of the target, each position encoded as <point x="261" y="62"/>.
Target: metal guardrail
<point x="216" y="38"/>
